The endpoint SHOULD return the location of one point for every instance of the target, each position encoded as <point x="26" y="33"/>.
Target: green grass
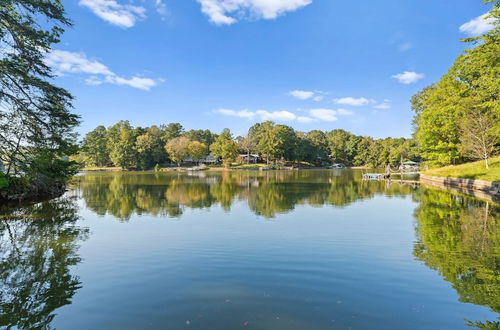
<point x="91" y="169"/>
<point x="248" y="166"/>
<point x="475" y="170"/>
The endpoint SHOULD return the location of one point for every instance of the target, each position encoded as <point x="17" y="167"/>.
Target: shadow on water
<point x="38" y="245"/>
<point x="456" y="235"/>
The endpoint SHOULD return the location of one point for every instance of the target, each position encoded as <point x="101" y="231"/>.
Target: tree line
<point x="125" y="146"/>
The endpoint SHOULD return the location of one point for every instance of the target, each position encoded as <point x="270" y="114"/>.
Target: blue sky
<point x="311" y="64"/>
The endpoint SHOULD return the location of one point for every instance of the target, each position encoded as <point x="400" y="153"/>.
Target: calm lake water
<point x="249" y="250"/>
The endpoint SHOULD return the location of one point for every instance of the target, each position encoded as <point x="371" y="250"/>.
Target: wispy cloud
<point x="223" y="12"/>
<point x="316" y="96"/>
<point x="115" y="13"/>
<point x="301" y="95"/>
<point x="408" y="77"/>
<point x="354" y="101"/>
<point x="259" y="114"/>
<point x="405" y="46"/>
<point x="478" y="25"/>
<point x="383" y="106"/>
<point x="328" y="114"/>
<point x="399" y="40"/>
<point x="64" y="62"/>
<point x="161" y="8"/>
<point x="315" y="115"/>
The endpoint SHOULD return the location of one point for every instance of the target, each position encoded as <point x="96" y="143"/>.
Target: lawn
<point x="475" y="170"/>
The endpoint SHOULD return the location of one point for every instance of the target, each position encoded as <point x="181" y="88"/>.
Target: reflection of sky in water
<point x="341" y="265"/>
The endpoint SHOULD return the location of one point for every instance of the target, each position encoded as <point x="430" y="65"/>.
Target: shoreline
<point x="479" y="188"/>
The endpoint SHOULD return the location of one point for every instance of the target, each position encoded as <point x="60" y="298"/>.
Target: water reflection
<point x="267" y="194"/>
<point x="459" y="236"/>
<point x="456" y="235"/>
<point x="38" y="245"/>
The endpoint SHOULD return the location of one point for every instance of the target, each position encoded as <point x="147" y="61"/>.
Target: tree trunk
<point x="486" y="162"/>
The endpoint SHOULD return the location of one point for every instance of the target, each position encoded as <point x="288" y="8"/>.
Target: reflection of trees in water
<point x="267" y="193"/>
<point x="38" y="244"/>
<point x="459" y="236"/>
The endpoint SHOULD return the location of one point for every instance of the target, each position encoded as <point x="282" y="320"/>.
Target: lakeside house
<point x="207" y="160"/>
<point x="248" y="159"/>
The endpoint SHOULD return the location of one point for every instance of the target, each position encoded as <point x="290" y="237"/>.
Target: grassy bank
<point x="474" y="170"/>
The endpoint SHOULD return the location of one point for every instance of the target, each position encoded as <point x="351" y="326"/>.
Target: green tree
<point x="225" y="147"/>
<point x="470" y="84"/>
<point x="121" y="141"/>
<point x="286" y="143"/>
<point x="95" y="147"/>
<point x="150" y="148"/>
<point x="204" y="136"/>
<point x="318" y="141"/>
<point x="178" y="149"/>
<point x="338" y="143"/>
<point x="171" y="131"/>
<point x="35" y="117"/>
<point x="274" y="141"/>
<point x="197" y="150"/>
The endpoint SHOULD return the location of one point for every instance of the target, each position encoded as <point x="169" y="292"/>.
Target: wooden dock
<point x="375" y="176"/>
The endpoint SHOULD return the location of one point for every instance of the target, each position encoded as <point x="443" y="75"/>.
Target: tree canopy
<point x="446" y="111"/>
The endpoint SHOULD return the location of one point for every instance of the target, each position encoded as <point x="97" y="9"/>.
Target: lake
<point x="311" y="249"/>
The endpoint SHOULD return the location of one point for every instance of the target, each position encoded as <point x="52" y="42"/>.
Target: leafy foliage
<point x="468" y="93"/>
<point x="35" y="118"/>
<point x="225" y="147"/>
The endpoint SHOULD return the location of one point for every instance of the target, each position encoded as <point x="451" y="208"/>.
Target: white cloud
<point x="93" y="81"/>
<point x="382" y="106"/>
<point x="68" y="62"/>
<point x="328" y="114"/>
<point x="114" y="13"/>
<point x="161" y="8"/>
<point x="353" y="101"/>
<point x="316" y="96"/>
<point x="261" y="114"/>
<point x="301" y="95"/>
<point x="314" y="115"/>
<point x="408" y="77"/>
<point x="222" y="12"/>
<point x="135" y="82"/>
<point x="324" y="114"/>
<point x="478" y="25"/>
<point x="276" y="115"/>
<point x="64" y="62"/>
<point x="305" y="120"/>
<point x="242" y="113"/>
<point x="344" y="112"/>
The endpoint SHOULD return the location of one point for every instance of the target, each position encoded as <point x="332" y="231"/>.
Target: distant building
<point x="248" y="159"/>
<point x="207" y="160"/>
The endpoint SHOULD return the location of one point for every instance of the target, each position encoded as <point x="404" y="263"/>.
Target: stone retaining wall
<point x="480" y="188"/>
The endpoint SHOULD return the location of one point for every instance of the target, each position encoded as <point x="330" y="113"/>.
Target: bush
<point x="4" y="181"/>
